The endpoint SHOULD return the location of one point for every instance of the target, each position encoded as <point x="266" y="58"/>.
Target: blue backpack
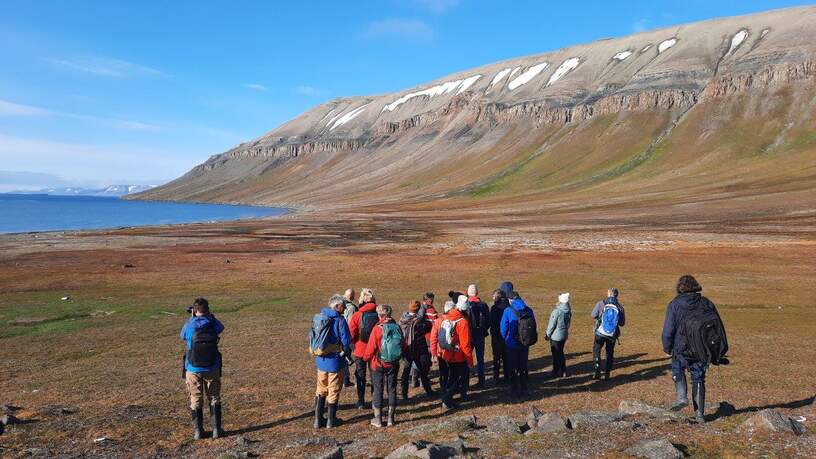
<point x="321" y="336"/>
<point x="608" y="327"/>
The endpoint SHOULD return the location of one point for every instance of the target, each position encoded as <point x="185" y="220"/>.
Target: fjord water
<point x="26" y="213"/>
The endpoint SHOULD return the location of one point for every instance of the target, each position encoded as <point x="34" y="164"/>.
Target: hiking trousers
<point x="559" y="359"/>
<point x="360" y="366"/>
<point x="499" y="356"/>
<point x="330" y="384"/>
<point x="385" y="380"/>
<point x="517" y="360"/>
<point x="206" y="385"/>
<point x="601" y="341"/>
<point x="479" y="351"/>
<point x="457" y="378"/>
<point x="444" y="372"/>
<point x="422" y="364"/>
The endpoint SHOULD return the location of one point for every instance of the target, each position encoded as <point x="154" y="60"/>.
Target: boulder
<point x="425" y="450"/>
<point x="313" y="441"/>
<point x="636" y="407"/>
<point x="592" y="418"/>
<point x="335" y="453"/>
<point x="655" y="449"/>
<point x="771" y="421"/>
<point x="453" y="425"/>
<point x="546" y="423"/>
<point x="502" y="425"/>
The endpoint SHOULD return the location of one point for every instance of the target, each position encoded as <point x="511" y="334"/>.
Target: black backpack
<point x="413" y="333"/>
<point x="705" y="335"/>
<point x="367" y="322"/>
<point x="203" y="350"/>
<point x="479" y="318"/>
<point x="526" y="332"/>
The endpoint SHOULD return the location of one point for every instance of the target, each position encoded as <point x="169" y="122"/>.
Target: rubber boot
<point x="215" y="415"/>
<point x="320" y="405"/>
<point x="198" y="423"/>
<point x="404" y="390"/>
<point x="332" y="421"/>
<point x="597" y="374"/>
<point x="698" y="393"/>
<point x="376" y="421"/>
<point x="360" y="395"/>
<point x="682" y="394"/>
<point x="392" y="411"/>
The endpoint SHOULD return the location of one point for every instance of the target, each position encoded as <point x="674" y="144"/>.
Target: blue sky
<point x="106" y="91"/>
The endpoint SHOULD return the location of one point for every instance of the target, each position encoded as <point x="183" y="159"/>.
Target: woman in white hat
<point x="558" y="332"/>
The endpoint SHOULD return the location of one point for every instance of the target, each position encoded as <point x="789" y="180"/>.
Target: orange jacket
<point x="462" y="332"/>
<point x="356" y="329"/>
<point x="372" y="350"/>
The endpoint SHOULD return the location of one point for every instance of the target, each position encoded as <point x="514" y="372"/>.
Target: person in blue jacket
<point x="517" y="353"/>
<point x="202" y="365"/>
<point x="332" y="367"/>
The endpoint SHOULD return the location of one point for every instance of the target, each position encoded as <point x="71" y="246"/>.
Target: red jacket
<point x="462" y="332"/>
<point x="356" y="329"/>
<point x="430" y="315"/>
<point x="372" y="349"/>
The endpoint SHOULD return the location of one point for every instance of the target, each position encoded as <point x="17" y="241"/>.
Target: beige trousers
<point x="203" y="385"/>
<point x="329" y="385"/>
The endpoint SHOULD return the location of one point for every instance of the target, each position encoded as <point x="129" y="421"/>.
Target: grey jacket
<point x="558" y="327"/>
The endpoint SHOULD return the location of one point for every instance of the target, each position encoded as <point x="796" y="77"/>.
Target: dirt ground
<point x="105" y="362"/>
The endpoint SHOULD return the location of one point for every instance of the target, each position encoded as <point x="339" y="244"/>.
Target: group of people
<point x="393" y="353"/>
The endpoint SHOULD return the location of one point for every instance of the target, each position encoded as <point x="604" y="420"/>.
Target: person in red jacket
<point x="383" y="374"/>
<point x="361" y="325"/>
<point x="433" y="345"/>
<point x="460" y="357"/>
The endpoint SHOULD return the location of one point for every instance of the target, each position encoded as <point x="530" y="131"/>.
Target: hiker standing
<point x="609" y="316"/>
<point x="416" y="355"/>
<point x="558" y="332"/>
<point x="202" y="365"/>
<point x="518" y="328"/>
<point x="361" y="325"/>
<point x="479" y="320"/>
<point x="694" y="336"/>
<point x="330" y="342"/>
<point x="453" y="342"/>
<point x="351" y="308"/>
<point x="436" y="351"/>
<point x="384" y="351"/>
<point x="500" y="303"/>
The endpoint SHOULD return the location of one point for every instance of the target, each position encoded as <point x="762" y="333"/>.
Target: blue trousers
<point x="696" y="368"/>
<point x="479" y="349"/>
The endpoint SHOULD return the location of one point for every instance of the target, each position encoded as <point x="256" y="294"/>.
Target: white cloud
<point x="105" y="67"/>
<point x="437" y="6"/>
<point x="11" y="109"/>
<point x="403" y="29"/>
<point x="309" y="91"/>
<point x="256" y="87"/>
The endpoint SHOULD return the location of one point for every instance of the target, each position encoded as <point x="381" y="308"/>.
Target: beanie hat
<point x="564" y="298"/>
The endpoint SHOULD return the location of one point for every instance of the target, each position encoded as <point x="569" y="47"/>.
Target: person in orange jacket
<point x="454" y="345"/>
<point x="384" y="372"/>
<point x="361" y="325"/>
<point x="433" y="345"/>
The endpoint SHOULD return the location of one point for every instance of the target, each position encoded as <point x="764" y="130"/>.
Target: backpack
<point x="526" y="332"/>
<point x="320" y="336"/>
<point x="479" y="318"/>
<point x="203" y="350"/>
<point x="608" y="321"/>
<point x="391" y="344"/>
<point x="447" y="335"/>
<point x="367" y="322"/>
<point x="413" y="334"/>
<point x="705" y="335"/>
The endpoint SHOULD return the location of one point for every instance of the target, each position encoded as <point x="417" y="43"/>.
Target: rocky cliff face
<point x="497" y="114"/>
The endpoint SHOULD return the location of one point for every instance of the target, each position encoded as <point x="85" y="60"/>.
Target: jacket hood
<point x="454" y="314"/>
<point x="507" y="288"/>
<point x="329" y="312"/>
<point x="612" y="300"/>
<point x="202" y="321"/>
<point x="518" y="304"/>
<point x="566" y="307"/>
<point x="368" y="307"/>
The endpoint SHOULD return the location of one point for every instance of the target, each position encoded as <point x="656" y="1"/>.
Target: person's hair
<point x="449" y="305"/>
<point x="350" y="293"/>
<point x="514" y="295"/>
<point x="428" y="296"/>
<point x="613" y="291"/>
<point x="384" y="310"/>
<point x="201" y="306"/>
<point x="413" y="306"/>
<point x="687" y="284"/>
<point x="499" y="294"/>
<point x="366" y="295"/>
<point x="335" y="300"/>
<point x="472" y="290"/>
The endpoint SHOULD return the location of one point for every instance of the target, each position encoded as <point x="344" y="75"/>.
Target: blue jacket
<point x="509" y="323"/>
<point x="674" y="342"/>
<point x="334" y="362"/>
<point x="187" y="332"/>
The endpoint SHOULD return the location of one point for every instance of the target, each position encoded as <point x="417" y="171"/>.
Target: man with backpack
<point x="500" y="303"/>
<point x="384" y="351"/>
<point x="202" y="365"/>
<point x="609" y="317"/>
<point x="479" y="320"/>
<point x="519" y="330"/>
<point x="351" y="308"/>
<point x="361" y="325"/>
<point x="694" y="337"/>
<point x="329" y="343"/>
<point x="416" y="356"/>
<point x="452" y="341"/>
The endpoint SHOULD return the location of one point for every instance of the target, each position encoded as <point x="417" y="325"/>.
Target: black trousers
<point x="385" y="380"/>
<point x="423" y="363"/>
<point x="444" y="372"/>
<point x="559" y="359"/>
<point x="601" y="341"/>
<point x="360" y="366"/>
<point x="517" y="360"/>
<point x="458" y="373"/>
<point x="499" y="357"/>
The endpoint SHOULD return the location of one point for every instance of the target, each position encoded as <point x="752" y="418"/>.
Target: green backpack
<point x="391" y="345"/>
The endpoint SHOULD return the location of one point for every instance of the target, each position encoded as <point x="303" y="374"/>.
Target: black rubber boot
<point x="699" y="402"/>
<point x="360" y="395"/>
<point x="597" y="374"/>
<point x="215" y="415"/>
<point x="320" y="406"/>
<point x="682" y="394"/>
<point x="198" y="423"/>
<point x="332" y="421"/>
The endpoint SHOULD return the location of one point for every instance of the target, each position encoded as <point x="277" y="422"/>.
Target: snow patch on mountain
<point x="467" y="83"/>
<point x="437" y="90"/>
<point x="563" y="69"/>
<point x="646" y="48"/>
<point x="348" y="117"/>
<point x="502" y="73"/>
<point x="527" y="75"/>
<point x="622" y="55"/>
<point x="666" y="44"/>
<point x="737" y="40"/>
<point x="764" y="32"/>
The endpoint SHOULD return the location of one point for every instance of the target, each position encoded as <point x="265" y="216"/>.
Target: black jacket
<point x="496" y="313"/>
<point x="673" y="341"/>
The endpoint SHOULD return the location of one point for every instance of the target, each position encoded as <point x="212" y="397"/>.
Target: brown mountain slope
<point x="704" y="121"/>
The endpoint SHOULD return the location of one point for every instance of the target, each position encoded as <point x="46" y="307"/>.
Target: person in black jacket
<point x="500" y="303"/>
<point x="415" y="354"/>
<point x="479" y="320"/>
<point x="687" y="301"/>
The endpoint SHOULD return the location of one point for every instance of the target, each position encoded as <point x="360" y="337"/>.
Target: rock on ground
<point x="772" y="421"/>
<point x="502" y="425"/>
<point x="453" y="425"/>
<point x="538" y="422"/>
<point x="424" y="450"/>
<point x="336" y="453"/>
<point x="655" y="449"/>
<point x="591" y="418"/>
<point x="635" y="407"/>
